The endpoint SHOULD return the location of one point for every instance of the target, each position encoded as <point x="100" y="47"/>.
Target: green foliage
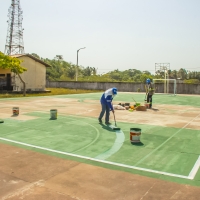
<point x="182" y="73"/>
<point x="14" y="64"/>
<point x="192" y="81"/>
<point x="89" y="71"/>
<point x="144" y="77"/>
<point x="115" y="75"/>
<point x="35" y="55"/>
<point x="66" y="71"/>
<point x="7" y="62"/>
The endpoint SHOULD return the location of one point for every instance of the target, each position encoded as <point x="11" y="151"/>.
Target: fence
<point x="181" y="88"/>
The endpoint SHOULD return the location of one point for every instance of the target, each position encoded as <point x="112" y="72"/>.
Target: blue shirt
<point x="107" y="98"/>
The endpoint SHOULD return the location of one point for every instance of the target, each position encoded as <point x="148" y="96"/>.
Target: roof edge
<point x="30" y="56"/>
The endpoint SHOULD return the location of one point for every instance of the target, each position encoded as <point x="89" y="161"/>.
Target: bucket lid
<point x="135" y="129"/>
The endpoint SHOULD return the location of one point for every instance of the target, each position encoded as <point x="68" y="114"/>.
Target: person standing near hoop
<point x="150" y="92"/>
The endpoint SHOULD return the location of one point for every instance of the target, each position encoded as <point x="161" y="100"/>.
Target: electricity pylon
<point x="14" y="40"/>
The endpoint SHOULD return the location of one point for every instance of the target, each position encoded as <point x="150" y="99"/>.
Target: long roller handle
<point x="114" y="119"/>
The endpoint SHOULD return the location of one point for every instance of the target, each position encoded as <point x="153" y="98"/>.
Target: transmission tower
<point x="14" y="40"/>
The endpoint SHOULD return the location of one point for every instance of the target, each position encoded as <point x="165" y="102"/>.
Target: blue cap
<point x="148" y="81"/>
<point x="114" y="91"/>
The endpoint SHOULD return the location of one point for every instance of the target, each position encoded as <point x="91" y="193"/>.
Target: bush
<point x="192" y="81"/>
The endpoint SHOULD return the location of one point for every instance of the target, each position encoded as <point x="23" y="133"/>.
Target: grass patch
<point x="53" y="91"/>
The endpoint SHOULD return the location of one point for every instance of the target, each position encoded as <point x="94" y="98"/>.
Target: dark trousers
<point x="149" y="100"/>
<point x="105" y="108"/>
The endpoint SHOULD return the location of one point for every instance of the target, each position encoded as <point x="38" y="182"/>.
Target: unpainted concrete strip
<point x="97" y="160"/>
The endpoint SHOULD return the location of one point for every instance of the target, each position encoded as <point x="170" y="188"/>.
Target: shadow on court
<point x="137" y="144"/>
<point x="107" y="128"/>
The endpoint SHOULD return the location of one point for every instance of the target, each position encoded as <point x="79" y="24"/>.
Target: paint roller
<point x="114" y="127"/>
<point x="145" y="98"/>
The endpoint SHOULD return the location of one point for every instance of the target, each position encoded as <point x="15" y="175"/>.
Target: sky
<point x="117" y="34"/>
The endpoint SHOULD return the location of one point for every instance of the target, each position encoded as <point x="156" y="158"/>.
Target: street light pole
<point x="77" y="63"/>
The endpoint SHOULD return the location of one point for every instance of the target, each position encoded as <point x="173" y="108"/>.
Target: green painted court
<point x="170" y="135"/>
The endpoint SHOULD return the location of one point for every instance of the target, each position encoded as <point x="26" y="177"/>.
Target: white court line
<point x="97" y="160"/>
<point x="191" y="175"/>
<point x="195" y="169"/>
<point x="166" y="141"/>
<point x="97" y="131"/>
<point x="119" y="141"/>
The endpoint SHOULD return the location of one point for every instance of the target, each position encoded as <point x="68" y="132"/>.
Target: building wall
<point x="34" y="77"/>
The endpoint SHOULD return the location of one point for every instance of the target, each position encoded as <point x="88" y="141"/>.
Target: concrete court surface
<point x="29" y="174"/>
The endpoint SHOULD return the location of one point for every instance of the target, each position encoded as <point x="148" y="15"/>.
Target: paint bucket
<point x="127" y="104"/>
<point x="135" y="135"/>
<point x="146" y="105"/>
<point x="53" y="113"/>
<point x="15" y="110"/>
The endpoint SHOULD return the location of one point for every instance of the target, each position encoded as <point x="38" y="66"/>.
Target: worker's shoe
<point x="100" y="121"/>
<point x="107" y="123"/>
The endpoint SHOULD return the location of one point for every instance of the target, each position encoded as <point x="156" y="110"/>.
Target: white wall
<point x="34" y="77"/>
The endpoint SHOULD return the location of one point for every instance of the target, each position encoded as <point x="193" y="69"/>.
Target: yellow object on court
<point x="132" y="107"/>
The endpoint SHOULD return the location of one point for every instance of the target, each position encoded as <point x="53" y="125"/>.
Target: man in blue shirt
<point x="106" y="104"/>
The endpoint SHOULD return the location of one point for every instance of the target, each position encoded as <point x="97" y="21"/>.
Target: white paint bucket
<point x="15" y="110"/>
<point x="135" y="134"/>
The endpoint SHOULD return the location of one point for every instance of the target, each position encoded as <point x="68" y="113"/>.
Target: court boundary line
<point x="167" y="140"/>
<point x="195" y="169"/>
<point x="190" y="176"/>
<point x="101" y="161"/>
<point x="104" y="155"/>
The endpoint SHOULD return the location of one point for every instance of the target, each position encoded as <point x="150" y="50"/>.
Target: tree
<point x="71" y="71"/>
<point x="7" y="62"/>
<point x="115" y="75"/>
<point x="87" y="71"/>
<point x="174" y="74"/>
<point x="146" y="72"/>
<point x="182" y="73"/>
<point x="144" y="77"/>
<point x="94" y="71"/>
<point x="35" y="55"/>
<point x="59" y="57"/>
<point x="160" y="73"/>
<point x="65" y="71"/>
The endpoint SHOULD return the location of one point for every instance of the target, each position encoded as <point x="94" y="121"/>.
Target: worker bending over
<point x="106" y="104"/>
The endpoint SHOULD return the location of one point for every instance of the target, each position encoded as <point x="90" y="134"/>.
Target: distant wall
<point x="181" y="88"/>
